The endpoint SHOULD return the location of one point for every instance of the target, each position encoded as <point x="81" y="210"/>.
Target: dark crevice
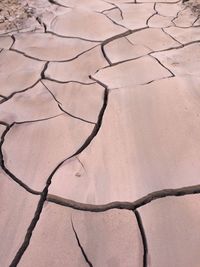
<point x="4" y="123"/>
<point x="44" y="193"/>
<point x="44" y="69"/>
<point x="104" y="54"/>
<point x="25" y="55"/>
<point x="41" y="23"/>
<point x="57" y="4"/>
<point x="196" y="20"/>
<point x="75" y="117"/>
<point x="113" y="21"/>
<point x="123" y="34"/>
<point x="64" y="82"/>
<point x="50" y="92"/>
<point x="143" y="236"/>
<point x="39" y="120"/>
<point x="44" y="60"/>
<point x="13" y="38"/>
<point x="177" y="15"/>
<point x="171" y="36"/>
<point x="4" y="168"/>
<point x="73" y="37"/>
<point x="109" y="9"/>
<point x="152" y="81"/>
<point x="29" y="232"/>
<point x="155" y="13"/>
<point x="63" y="110"/>
<point x="190" y="190"/>
<point x="80" y="246"/>
<point x="4" y="98"/>
<point x="162" y="65"/>
<point x="117" y="7"/>
<point x="18" y="92"/>
<point x="124" y="61"/>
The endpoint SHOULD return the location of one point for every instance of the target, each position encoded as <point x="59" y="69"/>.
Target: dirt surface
<point x="13" y="14"/>
<point x="194" y="5"/>
<point x="99" y="133"/>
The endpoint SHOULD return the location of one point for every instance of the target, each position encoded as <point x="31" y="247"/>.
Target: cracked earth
<point x="100" y="126"/>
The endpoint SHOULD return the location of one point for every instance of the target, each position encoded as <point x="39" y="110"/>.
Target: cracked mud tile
<point x="109" y="238"/>
<point x="145" y="144"/>
<point x="54" y="140"/>
<point x="158" y="21"/>
<point x="122" y="49"/>
<point x="17" y="72"/>
<point x="85" y="24"/>
<point x="172" y="230"/>
<point x="154" y="39"/>
<point x="183" y="61"/>
<point x="83" y="101"/>
<point x="50" y="47"/>
<point x="53" y="242"/>
<point x="184" y="35"/>
<point x="185" y="18"/>
<point x="17" y="209"/>
<point x="94" y="5"/>
<point x="135" y="16"/>
<point x="165" y="9"/>
<point x="34" y="104"/>
<point x="5" y="42"/>
<point x="79" y="69"/>
<point x="138" y="71"/>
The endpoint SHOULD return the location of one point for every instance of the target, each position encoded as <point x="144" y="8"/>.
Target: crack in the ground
<point x="29" y="232"/>
<point x="113" y="21"/>
<point x="44" y="196"/>
<point x="65" y="82"/>
<point x="50" y="60"/>
<point x="7" y="171"/>
<point x="113" y="38"/>
<point x="18" y="92"/>
<point x="73" y="37"/>
<point x="117" y="7"/>
<point x="63" y="110"/>
<point x="171" y="36"/>
<point x="44" y="193"/>
<point x="155" y="13"/>
<point x="80" y="246"/>
<point x="27" y="88"/>
<point x="161" y="64"/>
<point x="189" y="190"/>
<point x="143" y="236"/>
<point x="53" y="2"/>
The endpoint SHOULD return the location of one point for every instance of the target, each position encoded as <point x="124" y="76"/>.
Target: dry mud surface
<point x="99" y="133"/>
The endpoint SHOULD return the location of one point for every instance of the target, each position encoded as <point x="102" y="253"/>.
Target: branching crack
<point x="63" y="110"/>
<point x="80" y="246"/>
<point x="44" y="193"/>
<point x="195" y="189"/>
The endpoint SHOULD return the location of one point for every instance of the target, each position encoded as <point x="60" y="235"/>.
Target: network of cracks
<point x="99" y="124"/>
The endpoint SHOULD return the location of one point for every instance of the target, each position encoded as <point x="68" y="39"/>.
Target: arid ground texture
<point x="99" y="133"/>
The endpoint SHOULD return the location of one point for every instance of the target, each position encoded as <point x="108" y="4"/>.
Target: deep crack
<point x="143" y="236"/>
<point x="80" y="246"/>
